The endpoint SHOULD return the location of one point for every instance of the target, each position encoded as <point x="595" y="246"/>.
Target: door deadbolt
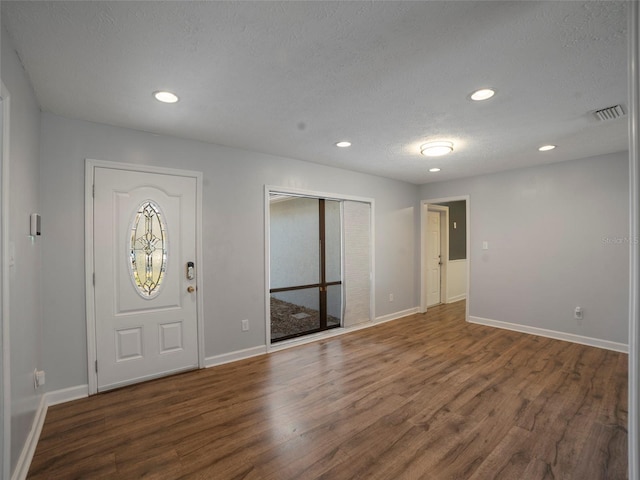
<point x="190" y="271"/>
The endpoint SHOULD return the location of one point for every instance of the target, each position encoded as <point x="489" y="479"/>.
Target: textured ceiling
<point x="293" y="78"/>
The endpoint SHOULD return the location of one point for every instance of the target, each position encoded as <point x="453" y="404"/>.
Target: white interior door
<point x="145" y="303"/>
<point x="434" y="260"/>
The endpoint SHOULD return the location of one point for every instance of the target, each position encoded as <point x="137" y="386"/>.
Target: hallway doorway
<point x="444" y="251"/>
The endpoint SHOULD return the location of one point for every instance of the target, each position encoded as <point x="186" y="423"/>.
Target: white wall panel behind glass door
<point x="357" y="262"/>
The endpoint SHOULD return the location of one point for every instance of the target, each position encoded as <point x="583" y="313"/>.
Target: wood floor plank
<point x="428" y="396"/>
<point x="508" y="459"/>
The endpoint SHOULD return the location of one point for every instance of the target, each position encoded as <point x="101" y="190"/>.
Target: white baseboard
<point x="29" y="448"/>
<point x="234" y="356"/>
<point x="48" y="399"/>
<point x="396" y="315"/>
<point x="543" y="332"/>
<point x="457" y="298"/>
<point x="67" y="394"/>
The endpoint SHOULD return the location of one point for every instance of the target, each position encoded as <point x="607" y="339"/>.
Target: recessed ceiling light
<point x="546" y="148"/>
<point x="436" y="169"/>
<point x="165" y="97"/>
<point x="436" y="149"/>
<point x="343" y="144"/>
<point x="483" y="94"/>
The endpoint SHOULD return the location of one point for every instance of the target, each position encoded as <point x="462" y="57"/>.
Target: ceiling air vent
<point x="609" y="113"/>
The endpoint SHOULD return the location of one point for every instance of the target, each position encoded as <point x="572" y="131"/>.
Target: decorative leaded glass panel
<point x="148" y="254"/>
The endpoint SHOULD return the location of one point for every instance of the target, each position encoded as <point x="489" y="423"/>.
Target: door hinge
<point x="93" y="191"/>
<point x="94" y="279"/>
<point x="96" y="366"/>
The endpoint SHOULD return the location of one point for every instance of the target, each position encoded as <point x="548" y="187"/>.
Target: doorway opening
<point x="318" y="264"/>
<point x="445" y="251"/>
<point x="306" y="265"/>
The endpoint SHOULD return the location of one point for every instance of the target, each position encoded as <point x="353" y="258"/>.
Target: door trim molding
<point x="5" y="455"/>
<point x="424" y="207"/>
<point x="90" y="166"/>
<point x="634" y="231"/>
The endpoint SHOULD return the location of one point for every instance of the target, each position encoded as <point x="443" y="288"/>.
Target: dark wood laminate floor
<point x="424" y="397"/>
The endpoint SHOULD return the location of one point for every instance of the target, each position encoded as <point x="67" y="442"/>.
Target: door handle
<point x="191" y="289"/>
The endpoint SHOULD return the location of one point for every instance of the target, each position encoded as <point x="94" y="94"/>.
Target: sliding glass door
<point x="305" y="265"/>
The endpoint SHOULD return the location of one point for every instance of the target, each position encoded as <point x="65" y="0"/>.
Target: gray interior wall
<point x="233" y="232"/>
<point x="557" y="237"/>
<point x="24" y="277"/>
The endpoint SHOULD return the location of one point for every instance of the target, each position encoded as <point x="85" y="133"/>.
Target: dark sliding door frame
<point x="322" y="285"/>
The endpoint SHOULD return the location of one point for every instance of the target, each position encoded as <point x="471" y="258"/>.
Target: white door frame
<point x="443" y="216"/>
<point x="5" y="455"/>
<point x="90" y="165"/>
<point x="634" y="231"/>
<point x="425" y="205"/>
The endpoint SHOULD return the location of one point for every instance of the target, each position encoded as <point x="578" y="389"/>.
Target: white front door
<point x="434" y="261"/>
<point x="144" y="231"/>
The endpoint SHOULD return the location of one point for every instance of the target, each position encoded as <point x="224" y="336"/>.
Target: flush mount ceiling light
<point x="436" y="149"/>
<point x="165" y="97"/>
<point x="434" y="170"/>
<point x="546" y="148"/>
<point x="482" y="94"/>
<point x="343" y="144"/>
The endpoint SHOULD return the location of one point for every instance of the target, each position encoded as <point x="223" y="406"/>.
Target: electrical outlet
<point x="577" y="313"/>
<point x="245" y="325"/>
<point x="391" y="297"/>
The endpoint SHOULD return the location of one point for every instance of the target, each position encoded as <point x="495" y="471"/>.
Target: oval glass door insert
<point x="148" y="253"/>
